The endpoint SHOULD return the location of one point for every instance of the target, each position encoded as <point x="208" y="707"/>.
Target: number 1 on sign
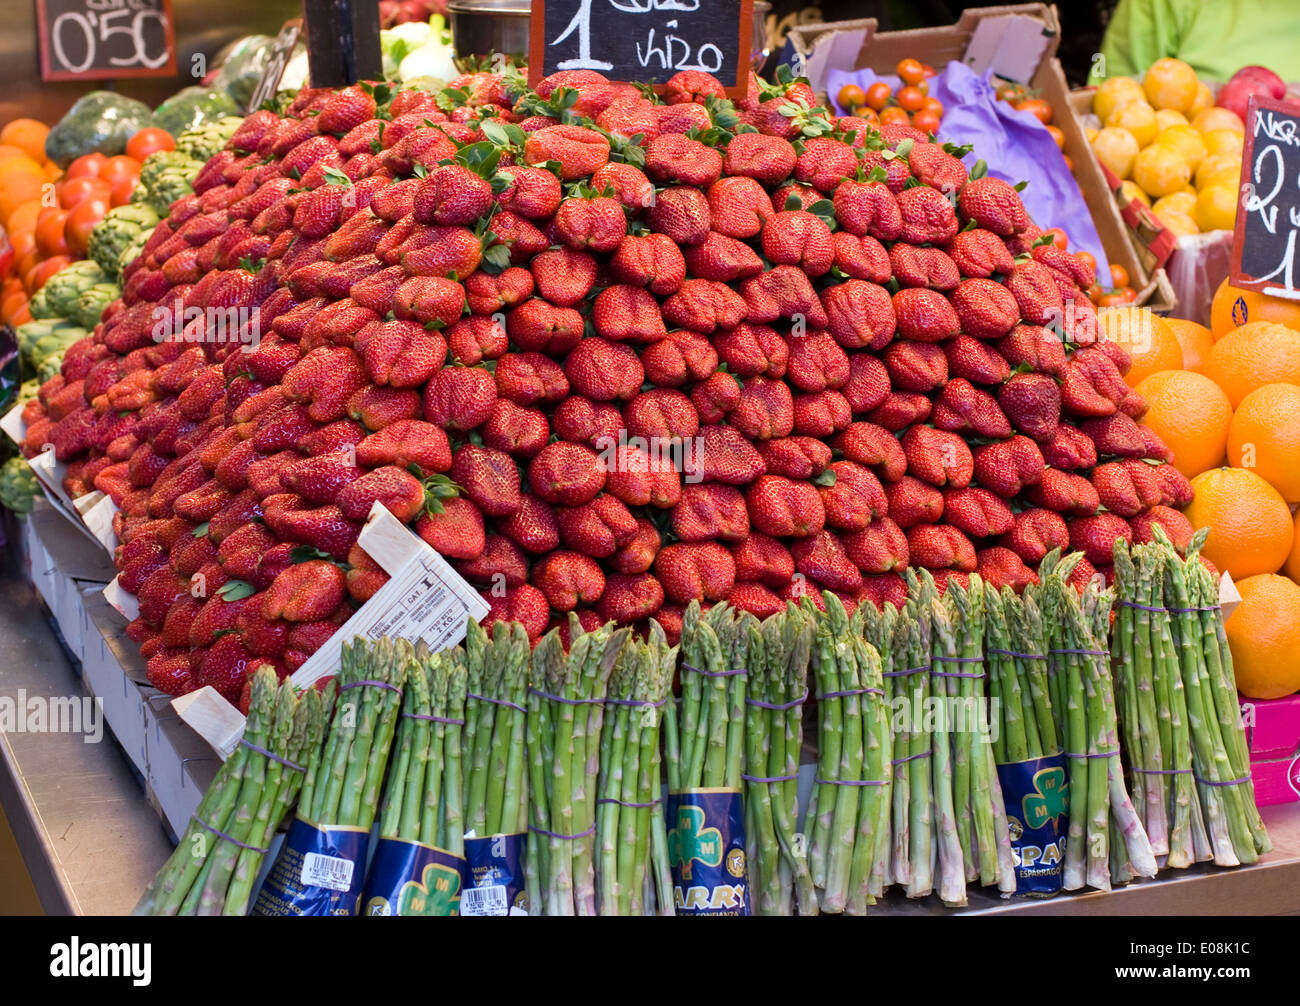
<point x="582" y="23"/>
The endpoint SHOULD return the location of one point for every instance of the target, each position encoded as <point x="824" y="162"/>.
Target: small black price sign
<point x="643" y="40"/>
<point x="96" y="39"/>
<point x="275" y="64"/>
<point x="1268" y="217"/>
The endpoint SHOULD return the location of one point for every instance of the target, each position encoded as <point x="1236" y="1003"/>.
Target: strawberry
<point x="915" y="366"/>
<point x="817" y="363"/>
<point x="629" y="117"/>
<point x="520" y="432"/>
<point x="340" y="435"/>
<point x="721" y="454"/>
<point x="868" y="383"/>
<point x="1033" y="404"/>
<point x="1176" y="527"/>
<point x="868" y="208"/>
<point x="861" y="257"/>
<point x="993" y="205"/>
<point x="1093" y="386"/>
<point x="913" y="502"/>
<point x="1126" y="488"/>
<point x="738" y="206"/>
<point x="532" y="527"/>
<point x="501" y="562"/>
<point x="975" y="361"/>
<point x="977" y="511"/>
<point x="784" y="508"/>
<point x="797" y="237"/>
<point x="531" y="193"/>
<point x="460" y="398"/>
<point x="345" y="110"/>
<point x="326" y="378"/>
<point x="1096" y="536"/>
<point x="223" y="667"/>
<point x="566" y="473"/>
<point x="1000" y="567"/>
<point x="1064" y="492"/>
<point x="598" y="528"/>
<point x="854" y="499"/>
<point x="821" y="413"/>
<point x="597" y="224"/>
<point x="1036" y="293"/>
<point x="240" y="550"/>
<point x="579" y="151"/>
<point x="603" y="370"/>
<point x="159" y="591"/>
<point x="1034" y="347"/>
<point x="639" y="478"/>
<point x="963" y="408"/>
<point x="1008" y="466"/>
<point x="752" y="351"/>
<point x="710" y="511"/>
<point x="487" y="293"/>
<point x="1085" y="573"/>
<point x="489" y="478"/>
<point x="429" y="299"/>
<point x="800" y="458"/>
<point x="822" y="559"/>
<point x="765" y="410"/>
<point x="652" y="260"/>
<point x="682" y="118"/>
<point x="940" y="546"/>
<point x="583" y="421"/>
<point x="451" y="195"/>
<point x="627" y="184"/>
<point x="217" y="617"/>
<point x="927" y="216"/>
<point x="440" y="251"/>
<point x="767" y="159"/>
<point x="455" y="531"/>
<point x="424" y="146"/>
<point x="364" y="576"/>
<point x="319" y="479"/>
<point x="937" y="456"/>
<point x="400" y="354"/>
<point x="322" y="527"/>
<point x="568" y="580"/>
<point x="627" y="313"/>
<point x="682" y="214"/>
<point x="719" y="257"/>
<point x="1153" y="447"/>
<point x="1116" y="435"/>
<point x="758" y="558"/>
<point x="873" y="447"/>
<point x="880" y="590"/>
<point x="676" y="158"/>
<point x="530" y="378"/>
<point x="756" y="599"/>
<point x="661" y="413"/>
<point x="985" y="308"/>
<point x="629" y="598"/>
<point x="784" y="291"/>
<point x="879" y="547"/>
<point x="396" y="488"/>
<point x="980" y="254"/>
<point x="935" y="167"/>
<point x="638" y="555"/>
<point x="1175" y="490"/>
<point x="524" y="604"/>
<point x="376" y="407"/>
<point x="1070" y="448"/>
<point x="924" y="315"/>
<point x="686" y="86"/>
<point x="825" y="162"/>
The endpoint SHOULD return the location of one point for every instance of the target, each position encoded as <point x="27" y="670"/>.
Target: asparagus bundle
<point x="629" y="779"/>
<point x="422" y="801"/>
<point x="878" y="630"/>
<point x="495" y="789"/>
<point x="779" y="650"/>
<point x="214" y="866"/>
<point x="846" y="815"/>
<point x="908" y="682"/>
<point x="563" y="728"/>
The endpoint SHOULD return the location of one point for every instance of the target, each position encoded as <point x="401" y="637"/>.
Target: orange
<point x="1191" y="415"/>
<point x="1161" y="169"/>
<point x="1175" y="202"/>
<point x="19" y="183"/>
<point x="1187" y="140"/>
<point x="1149" y="341"/>
<point x="1113" y="92"/>
<point x="1223" y="142"/>
<point x="1233" y="307"/>
<point x="1257" y="353"/>
<point x="1117" y="149"/>
<point x="1137" y="117"/>
<point x="1204" y="99"/>
<point x="1130" y="191"/>
<point x="1195" y="340"/>
<point x="1216" y="208"/>
<point x="27" y="134"/>
<point x="1218" y="169"/>
<point x="1264" y="636"/>
<point x="1166" y="117"/>
<point x="23" y="218"/>
<point x="1217" y="118"/>
<point x="8" y="150"/>
<point x="1265" y="437"/>
<point x="1250" y="524"/>
<point x="1292" y="567"/>
<point x="1181" y="225"/>
<point x="1170" y="83"/>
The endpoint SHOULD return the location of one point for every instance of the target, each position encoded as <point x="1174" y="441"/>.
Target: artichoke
<point x="18" y="485"/>
<point x="165" y="177"/>
<point x="131" y="251"/>
<point x="65" y="286"/>
<point x="49" y="367"/>
<point x="39" y="306"/>
<point x="192" y="107"/>
<point x="163" y="161"/>
<point x="204" y="140"/>
<point x="93" y="300"/>
<point x="116" y="231"/>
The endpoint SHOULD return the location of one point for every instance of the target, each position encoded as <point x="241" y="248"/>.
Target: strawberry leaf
<point x="877" y="174"/>
<point x="496" y="258"/>
<point x="495" y="131"/>
<point x="450" y="98"/>
<point x="1020" y="186"/>
<point x="792" y="202"/>
<point x="1044" y="239"/>
<point x="236" y="590"/>
<point x="745" y="127"/>
<point x="201" y="530"/>
<point x="958" y="151"/>
<point x="305" y="553"/>
<point x="971" y="225"/>
<point x="722" y="111"/>
<point x="826" y="479"/>
<point x="420" y="171"/>
<point x="980" y="169"/>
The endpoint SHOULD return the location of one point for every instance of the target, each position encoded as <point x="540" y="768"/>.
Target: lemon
<point x="1138" y="118"/>
<point x="1117" y="149"/>
<point x="1223" y="141"/>
<point x="1217" y="118"/>
<point x="1218" y="169"/>
<point x="1130" y="190"/>
<point x="1204" y="99"/>
<point x="1166" y="117"/>
<point x="1180" y="224"/>
<point x="1175" y="202"/>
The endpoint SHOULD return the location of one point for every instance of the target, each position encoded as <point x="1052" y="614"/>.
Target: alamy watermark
<point x="53" y="714"/>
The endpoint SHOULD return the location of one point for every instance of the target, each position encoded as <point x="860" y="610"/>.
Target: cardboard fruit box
<point x="1019" y="43"/>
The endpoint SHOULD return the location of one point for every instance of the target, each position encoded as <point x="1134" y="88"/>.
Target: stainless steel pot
<point x="479" y="27"/>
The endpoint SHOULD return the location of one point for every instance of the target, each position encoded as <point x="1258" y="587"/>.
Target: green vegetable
<point x="50" y="366"/>
<point x="192" y="107"/>
<point x="18" y="485"/>
<point x="116" y="231"/>
<point x="93" y="300"/>
<point x="207" y="138"/>
<point x="165" y="177"/>
<point x="39" y="306"/>
<point x="100" y="122"/>
<point x="66" y="285"/>
<point x="132" y="251"/>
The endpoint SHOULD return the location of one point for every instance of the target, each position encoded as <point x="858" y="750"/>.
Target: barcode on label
<point x="329" y="872"/>
<point x="484" y="901"/>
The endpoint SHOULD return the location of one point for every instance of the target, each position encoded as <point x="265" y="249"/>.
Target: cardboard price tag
<point x="123" y="603"/>
<point x="99" y="520"/>
<point x="50" y="472"/>
<point x="13" y="424"/>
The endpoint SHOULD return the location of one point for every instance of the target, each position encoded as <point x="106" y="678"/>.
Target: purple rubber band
<point x="624" y="803"/>
<point x="778" y="706"/>
<point x="1162" y="771"/>
<point x="1230" y="782"/>
<point x="844" y="695"/>
<point x="768" y="778"/>
<point x="852" y="782"/>
<point x="434" y="719"/>
<point x="223" y="835"/>
<point x="496" y="702"/>
<point x="714" y="674"/>
<point x="1099" y="754"/>
<point x="1142" y="607"/>
<point x="1016" y="653"/>
<point x="636" y="702"/>
<point x="568" y="702"/>
<point x="956" y="674"/>
<point x="373" y="684"/>
<point x="274" y="757"/>
<point x="565" y="838"/>
<point x="1084" y="653"/>
<point x="1181" y="611"/>
<point x="906" y="672"/>
<point x="921" y="754"/>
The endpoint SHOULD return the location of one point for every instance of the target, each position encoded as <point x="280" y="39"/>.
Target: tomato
<point x="1069" y="163"/>
<point x="119" y="167"/>
<point x="1087" y="259"/>
<point x="23" y="316"/>
<point x="1127" y="294"/>
<point x="42" y="271"/>
<point x="85" y="165"/>
<point x="23" y="242"/>
<point x="1095" y="293"/>
<point x="851" y="96"/>
<point x="1058" y="135"/>
<point x="911" y="98"/>
<point x="120" y="193"/>
<point x="1118" y="276"/>
<point x="870" y="115"/>
<point x="76" y="189"/>
<point x="81" y="221"/>
<point x="1058" y="237"/>
<point x="49" y="233"/>
<point x="11" y="304"/>
<point x="927" y="71"/>
<point x="878" y="95"/>
<point x="933" y="105"/>
<point x="895" y="114"/>
<point x="926" y="122"/>
<point x="1011" y="91"/>
<point x="149" y="141"/>
<point x="1036" y="107"/>
<point x="911" y="71"/>
<point x="26" y="261"/>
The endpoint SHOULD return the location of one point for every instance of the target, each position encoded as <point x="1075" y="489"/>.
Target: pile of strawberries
<point x="603" y="353"/>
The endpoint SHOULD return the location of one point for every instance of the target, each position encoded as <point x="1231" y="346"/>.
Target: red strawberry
<point x="1116" y="435"/>
<point x="822" y="559"/>
<point x="1126" y="488"/>
<point x="768" y="159"/>
<point x="682" y="118"/>
<point x="347" y="109"/>
<point x="799" y="458"/>
<point x="375" y="407"/>
<point x="1096" y="536"/>
<point x="651" y="260"/>
<point x="1175" y="490"/>
<point x="915" y="366"/>
<point x="928" y="217"/>
<point x="1093" y="386"/>
<point x="324" y="528"/>
<point x="604" y="370"/>
<point x="223" y="667"/>
<point x="532" y="527"/>
<point x="821" y="413"/>
<point x="681" y="214"/>
<point x="721" y="454"/>
<point x="520" y="432"/>
<point x="1037" y="348"/>
<point x="928" y="267"/>
<point x="689" y="572"/>
<point x="976" y="511"/>
<point x="376" y="292"/>
<point x="825" y="162"/>
<point x="765" y="410"/>
<point x="487" y="294"/>
<point x="638" y="555"/>
<point x="451" y="195"/>
<point x="566" y="473"/>
<point x="530" y="378"/>
<point x="880" y="547"/>
<point x="1085" y="573"/>
<point x="489" y="478"/>
<point x="940" y="546"/>
<point x="963" y="408"/>
<point x="564" y="276"/>
<point x="404" y="443"/>
<point x="1070" y="448"/>
<point x="739" y="206"/>
<point x="500" y="563"/>
<point x="455" y="532"/>
<point x="993" y="205"/>
<point x="1033" y="404"/>
<point x="752" y="351"/>
<point x="937" y="456"/>
<point x="583" y="421"/>
<point x="719" y="257"/>
<point x="364" y="576"/>
<point x="629" y="598"/>
<point x="628" y="184"/>
<point x="627" y="313"/>
<point x="319" y="479"/>
<point x="692" y="86"/>
<point x="598" y="528"/>
<point x="1177" y="527"/>
<point x="980" y="253"/>
<point x="579" y="151"/>
<point x="756" y="599"/>
<point x="912" y="502"/>
<point x="868" y="208"/>
<point x="326" y="378"/>
<point x="1000" y="567"/>
<point x="868" y="383"/>
<point x="1064" y="492"/>
<point x="708" y="512"/>
<point x="817" y="363"/>
<point x="1036" y="293"/>
<point x="453" y="252"/>
<point x="880" y="590"/>
<point x="217" y="617"/>
<point x="874" y="447"/>
<point x="629" y="117"/>
<point x="568" y="580"/>
<point x="239" y="552"/>
<point x="784" y="508"/>
<point x="537" y="326"/>
<point x="640" y="478"/>
<point x="757" y="558"/>
<point x="985" y="308"/>
<point x="797" y="237"/>
<point x="460" y="398"/>
<point x="861" y="257"/>
<point x="400" y="354"/>
<point x="924" y="315"/>
<point x="524" y="604"/>
<point x="934" y="166"/>
<point x="597" y="224"/>
<point x="975" y="361"/>
<point x="784" y="291"/>
<point x="532" y="193"/>
<point x="396" y="488"/>
<point x="429" y="299"/>
<point x="675" y="158"/>
<point x="661" y="413"/>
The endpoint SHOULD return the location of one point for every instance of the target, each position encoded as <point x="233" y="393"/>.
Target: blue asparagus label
<point x="495" y="877"/>
<point x="706" y="851"/>
<point x="319" y="871"/>
<point x="408" y="878"/>
<point x="1037" y="796"/>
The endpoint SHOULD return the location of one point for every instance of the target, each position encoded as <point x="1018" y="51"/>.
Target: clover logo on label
<point x="690" y="841"/>
<point x="1050" y="799"/>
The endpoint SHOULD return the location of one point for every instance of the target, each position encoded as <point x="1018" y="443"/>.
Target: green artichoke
<point x="165" y="177"/>
<point x="131" y="251"/>
<point x="18" y="485"/>
<point x="39" y="306"/>
<point x="50" y="366"/>
<point x="65" y="286"/>
<point x="93" y="300"/>
<point x="204" y="140"/>
<point x="116" y="231"/>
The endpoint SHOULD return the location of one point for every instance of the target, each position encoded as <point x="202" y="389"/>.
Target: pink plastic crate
<point x="1273" y="733"/>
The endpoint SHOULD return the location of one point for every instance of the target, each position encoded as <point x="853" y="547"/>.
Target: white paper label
<point x="50" y="472"/>
<point x="484" y="901"/>
<point x="123" y="603"/>
<point x="13" y="424"/>
<point x="329" y="872"/>
<point x="99" y="519"/>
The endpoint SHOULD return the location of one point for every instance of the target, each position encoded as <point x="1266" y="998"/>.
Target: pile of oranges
<point x="1226" y="399"/>
<point x="46" y="215"/>
<point x="910" y="105"/>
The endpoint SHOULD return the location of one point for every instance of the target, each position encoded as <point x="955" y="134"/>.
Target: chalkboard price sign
<point x="269" y="82"/>
<point x="643" y="40"/>
<point x="96" y="39"/>
<point x="1264" y="253"/>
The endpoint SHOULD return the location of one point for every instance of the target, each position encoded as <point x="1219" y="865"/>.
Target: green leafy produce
<point x="165" y="177"/>
<point x="50" y="366"/>
<point x="39" y="306"/>
<point x="192" y="107"/>
<point x="93" y="300"/>
<point x="116" y="231"/>
<point x="100" y="122"/>
<point x="18" y="485"/>
<point x="66" y="286"/>
<point x="205" y="139"/>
